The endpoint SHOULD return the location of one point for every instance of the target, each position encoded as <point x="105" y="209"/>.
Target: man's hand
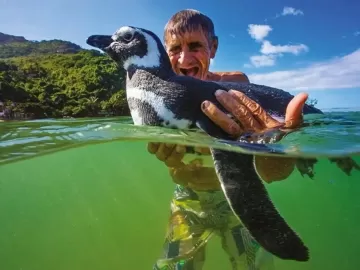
<point x="192" y="175"/>
<point x="250" y="114"/>
<point x="170" y="154"/>
<point x="195" y="176"/>
<point x="254" y="118"/>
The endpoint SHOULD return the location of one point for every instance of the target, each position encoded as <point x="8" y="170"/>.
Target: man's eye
<point x="175" y="49"/>
<point x="194" y="46"/>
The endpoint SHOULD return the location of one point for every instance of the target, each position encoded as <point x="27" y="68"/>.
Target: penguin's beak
<point x="99" y="41"/>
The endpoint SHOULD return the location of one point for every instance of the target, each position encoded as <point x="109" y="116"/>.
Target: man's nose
<point x="184" y="58"/>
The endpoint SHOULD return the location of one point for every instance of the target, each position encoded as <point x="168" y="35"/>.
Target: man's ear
<point x="214" y="47"/>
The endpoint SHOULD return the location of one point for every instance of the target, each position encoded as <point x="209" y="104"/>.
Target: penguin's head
<point x="130" y="46"/>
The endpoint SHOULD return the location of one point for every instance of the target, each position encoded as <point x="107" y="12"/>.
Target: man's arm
<point x="231" y="76"/>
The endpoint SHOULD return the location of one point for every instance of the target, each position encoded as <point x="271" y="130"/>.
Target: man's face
<point x="190" y="53"/>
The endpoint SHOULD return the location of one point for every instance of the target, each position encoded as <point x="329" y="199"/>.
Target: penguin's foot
<point x="306" y="166"/>
<point x="346" y="164"/>
<point x="268" y="136"/>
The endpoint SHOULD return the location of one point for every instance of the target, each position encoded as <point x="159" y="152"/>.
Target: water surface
<point x="86" y="194"/>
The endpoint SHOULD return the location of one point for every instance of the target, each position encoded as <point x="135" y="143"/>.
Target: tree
<point x="81" y="84"/>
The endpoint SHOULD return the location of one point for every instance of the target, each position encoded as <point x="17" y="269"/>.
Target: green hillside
<point x="58" y="78"/>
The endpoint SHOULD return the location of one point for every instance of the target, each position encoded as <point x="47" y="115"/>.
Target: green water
<point x="92" y="197"/>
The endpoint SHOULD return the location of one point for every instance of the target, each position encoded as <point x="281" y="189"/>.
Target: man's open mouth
<point x="189" y="71"/>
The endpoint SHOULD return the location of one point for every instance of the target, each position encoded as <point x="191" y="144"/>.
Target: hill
<point x="5" y="38"/>
<point x="58" y="78"/>
<point x="14" y="46"/>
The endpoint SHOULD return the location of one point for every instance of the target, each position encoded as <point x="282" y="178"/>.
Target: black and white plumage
<point x="158" y="97"/>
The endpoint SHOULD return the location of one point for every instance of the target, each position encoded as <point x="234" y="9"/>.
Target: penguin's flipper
<point x="250" y="202"/>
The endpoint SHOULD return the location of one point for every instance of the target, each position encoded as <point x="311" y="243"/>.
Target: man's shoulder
<point x="229" y="76"/>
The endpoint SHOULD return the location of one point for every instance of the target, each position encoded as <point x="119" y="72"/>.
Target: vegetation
<point x="58" y="78"/>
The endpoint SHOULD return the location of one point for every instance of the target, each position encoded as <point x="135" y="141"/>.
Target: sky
<point x="310" y="46"/>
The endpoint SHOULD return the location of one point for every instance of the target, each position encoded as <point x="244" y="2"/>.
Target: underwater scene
<point x="86" y="193"/>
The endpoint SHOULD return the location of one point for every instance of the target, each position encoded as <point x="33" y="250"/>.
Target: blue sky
<point x="311" y="46"/>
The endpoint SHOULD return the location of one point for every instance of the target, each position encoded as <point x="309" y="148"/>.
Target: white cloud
<point x="212" y="62"/>
<point x="288" y="11"/>
<point x="263" y="60"/>
<point x="292" y="11"/>
<point x="268" y="48"/>
<point x="232" y="35"/>
<point x="336" y="73"/>
<point x="269" y="52"/>
<point x="357" y="33"/>
<point x="259" y="31"/>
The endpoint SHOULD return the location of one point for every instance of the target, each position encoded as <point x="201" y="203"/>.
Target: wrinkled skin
<point x="190" y="55"/>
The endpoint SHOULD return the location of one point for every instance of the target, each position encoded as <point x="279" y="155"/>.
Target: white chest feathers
<point x="158" y="105"/>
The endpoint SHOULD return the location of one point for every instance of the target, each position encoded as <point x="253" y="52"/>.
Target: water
<point x="86" y="194"/>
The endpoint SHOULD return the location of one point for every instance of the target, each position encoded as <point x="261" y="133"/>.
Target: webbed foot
<point x="346" y="164"/>
<point x="306" y="166"/>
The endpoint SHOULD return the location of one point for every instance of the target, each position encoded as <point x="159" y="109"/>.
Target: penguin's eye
<point x="127" y="36"/>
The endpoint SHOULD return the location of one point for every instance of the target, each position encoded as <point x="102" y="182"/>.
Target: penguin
<point x="157" y="96"/>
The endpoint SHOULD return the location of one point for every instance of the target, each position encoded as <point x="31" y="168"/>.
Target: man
<point x="199" y="208"/>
